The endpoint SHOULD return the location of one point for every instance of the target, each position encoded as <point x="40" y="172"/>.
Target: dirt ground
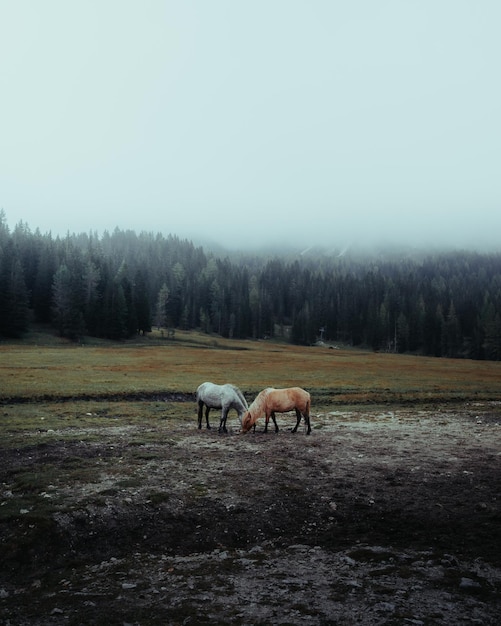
<point x="381" y="516"/>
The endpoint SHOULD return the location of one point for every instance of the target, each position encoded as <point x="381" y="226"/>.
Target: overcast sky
<point x="245" y="120"/>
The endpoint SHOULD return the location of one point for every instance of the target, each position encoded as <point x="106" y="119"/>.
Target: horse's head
<point x="246" y="422"/>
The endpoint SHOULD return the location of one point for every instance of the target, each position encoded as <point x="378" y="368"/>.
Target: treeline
<point x="122" y="283"/>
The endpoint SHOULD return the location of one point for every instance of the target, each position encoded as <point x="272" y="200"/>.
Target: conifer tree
<point x="67" y="305"/>
<point x="161" y="307"/>
<point x="14" y="314"/>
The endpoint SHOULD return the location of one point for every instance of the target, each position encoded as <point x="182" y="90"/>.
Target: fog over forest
<point x="122" y="284"/>
<point x="252" y="125"/>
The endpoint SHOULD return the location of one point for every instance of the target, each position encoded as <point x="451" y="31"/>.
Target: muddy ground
<point x="381" y="516"/>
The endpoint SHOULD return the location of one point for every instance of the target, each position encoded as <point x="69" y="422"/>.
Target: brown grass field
<point x="152" y="367"/>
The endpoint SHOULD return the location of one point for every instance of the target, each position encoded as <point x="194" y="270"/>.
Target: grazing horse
<point x="272" y="400"/>
<point x="224" y="397"/>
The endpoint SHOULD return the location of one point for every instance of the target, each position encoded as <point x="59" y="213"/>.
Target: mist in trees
<point x="123" y="283"/>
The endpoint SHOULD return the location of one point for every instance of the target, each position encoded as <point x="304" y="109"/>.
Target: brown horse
<point x="272" y="400"/>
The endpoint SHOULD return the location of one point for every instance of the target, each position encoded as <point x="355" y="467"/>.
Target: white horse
<point x="224" y="397"/>
<point x="272" y="400"/>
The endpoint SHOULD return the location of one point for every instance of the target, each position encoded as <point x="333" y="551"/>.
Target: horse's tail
<point x="308" y="405"/>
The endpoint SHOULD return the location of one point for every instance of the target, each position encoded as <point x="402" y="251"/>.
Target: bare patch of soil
<point x="380" y="516"/>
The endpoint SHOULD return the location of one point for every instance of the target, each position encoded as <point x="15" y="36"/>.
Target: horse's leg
<point x="298" y="416"/>
<point x="274" y="421"/>
<point x="222" y="423"/>
<point x="200" y="412"/>
<point x="266" y="420"/>
<point x="207" y="416"/>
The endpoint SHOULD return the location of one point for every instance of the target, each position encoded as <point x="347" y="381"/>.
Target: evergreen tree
<point x="492" y="332"/>
<point x="14" y="315"/>
<point x="303" y="330"/>
<point x="451" y="334"/>
<point x="67" y="304"/>
<point x="142" y="302"/>
<point x="119" y="313"/>
<point x="92" y="296"/>
<point x="42" y="288"/>
<point x="161" y="307"/>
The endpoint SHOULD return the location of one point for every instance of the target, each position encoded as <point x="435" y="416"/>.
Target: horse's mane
<point x="240" y="395"/>
<point x="259" y="402"/>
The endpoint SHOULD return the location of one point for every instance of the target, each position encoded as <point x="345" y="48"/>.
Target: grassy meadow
<point x="55" y="370"/>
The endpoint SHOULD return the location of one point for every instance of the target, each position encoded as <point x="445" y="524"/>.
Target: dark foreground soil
<point x="380" y="516"/>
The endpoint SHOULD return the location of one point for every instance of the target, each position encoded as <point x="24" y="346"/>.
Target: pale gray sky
<point x="236" y="120"/>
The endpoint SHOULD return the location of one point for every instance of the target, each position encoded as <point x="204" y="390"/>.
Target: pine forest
<point x="121" y="284"/>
